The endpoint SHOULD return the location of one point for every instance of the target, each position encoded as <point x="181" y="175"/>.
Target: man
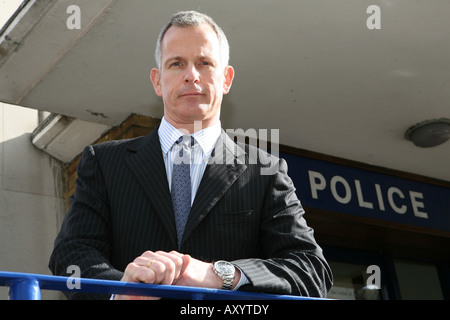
<point x="122" y="223"/>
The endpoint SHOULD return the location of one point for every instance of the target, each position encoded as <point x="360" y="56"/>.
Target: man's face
<point x="192" y="79"/>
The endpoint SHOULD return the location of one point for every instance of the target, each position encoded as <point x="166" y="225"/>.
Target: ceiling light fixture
<point x="429" y="133"/>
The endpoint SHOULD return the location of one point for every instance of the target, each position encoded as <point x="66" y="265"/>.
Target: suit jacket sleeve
<point x="84" y="239"/>
<point x="292" y="261"/>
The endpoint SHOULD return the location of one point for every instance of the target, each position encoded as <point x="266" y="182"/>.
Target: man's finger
<point x="166" y="265"/>
<point x="137" y="273"/>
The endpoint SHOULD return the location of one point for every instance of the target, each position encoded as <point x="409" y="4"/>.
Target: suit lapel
<point x="225" y="166"/>
<point x="147" y="164"/>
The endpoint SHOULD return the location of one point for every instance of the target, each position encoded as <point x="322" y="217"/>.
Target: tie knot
<point x="185" y="140"/>
<point x="183" y="155"/>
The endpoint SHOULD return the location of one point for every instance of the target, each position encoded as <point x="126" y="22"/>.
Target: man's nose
<point x="191" y="75"/>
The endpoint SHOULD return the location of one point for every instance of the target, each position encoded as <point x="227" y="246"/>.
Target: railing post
<point x="24" y="289"/>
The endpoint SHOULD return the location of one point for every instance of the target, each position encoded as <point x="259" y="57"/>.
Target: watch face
<point x="224" y="267"/>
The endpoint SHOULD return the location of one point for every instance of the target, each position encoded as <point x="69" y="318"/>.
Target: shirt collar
<point x="206" y="138"/>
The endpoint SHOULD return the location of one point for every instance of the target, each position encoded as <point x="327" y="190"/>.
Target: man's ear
<point x="155" y="76"/>
<point x="229" y="76"/>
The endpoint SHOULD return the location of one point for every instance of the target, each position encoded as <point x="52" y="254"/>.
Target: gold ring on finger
<point x="149" y="263"/>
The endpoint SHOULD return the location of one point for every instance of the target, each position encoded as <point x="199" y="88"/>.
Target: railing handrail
<point x="28" y="286"/>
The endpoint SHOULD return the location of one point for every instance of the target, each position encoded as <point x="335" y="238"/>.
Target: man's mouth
<point x="191" y="94"/>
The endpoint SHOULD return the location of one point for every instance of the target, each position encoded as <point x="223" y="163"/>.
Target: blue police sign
<point x="338" y="188"/>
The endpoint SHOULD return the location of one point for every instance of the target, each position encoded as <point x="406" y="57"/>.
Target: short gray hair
<point x="186" y="19"/>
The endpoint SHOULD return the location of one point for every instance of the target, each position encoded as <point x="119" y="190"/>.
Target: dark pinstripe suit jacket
<point x="122" y="207"/>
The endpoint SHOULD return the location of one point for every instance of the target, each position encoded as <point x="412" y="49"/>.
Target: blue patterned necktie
<point x="181" y="184"/>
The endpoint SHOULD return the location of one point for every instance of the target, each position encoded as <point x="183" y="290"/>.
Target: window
<point x="417" y="280"/>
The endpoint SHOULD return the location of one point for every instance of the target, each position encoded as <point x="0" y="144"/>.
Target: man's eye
<point x="176" y="64"/>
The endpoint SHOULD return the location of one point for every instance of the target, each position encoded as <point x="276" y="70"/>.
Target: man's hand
<point x="171" y="268"/>
<point x="154" y="267"/>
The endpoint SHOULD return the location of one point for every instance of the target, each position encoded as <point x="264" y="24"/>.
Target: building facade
<point x="342" y="95"/>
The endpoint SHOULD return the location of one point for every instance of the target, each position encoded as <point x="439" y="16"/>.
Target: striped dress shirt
<point x="205" y="140"/>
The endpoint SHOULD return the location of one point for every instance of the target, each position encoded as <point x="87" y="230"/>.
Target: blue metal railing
<point x="28" y="286"/>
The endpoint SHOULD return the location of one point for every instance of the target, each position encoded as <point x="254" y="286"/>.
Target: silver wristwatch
<point x="225" y="270"/>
